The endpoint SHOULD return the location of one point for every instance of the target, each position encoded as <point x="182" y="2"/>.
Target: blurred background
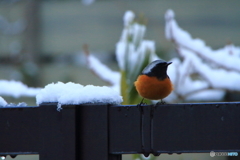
<point x="41" y="40"/>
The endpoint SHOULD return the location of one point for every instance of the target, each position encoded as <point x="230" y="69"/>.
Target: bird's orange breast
<point x="153" y="88"/>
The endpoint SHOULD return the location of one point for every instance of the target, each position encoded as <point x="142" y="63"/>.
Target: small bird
<point x="154" y="83"/>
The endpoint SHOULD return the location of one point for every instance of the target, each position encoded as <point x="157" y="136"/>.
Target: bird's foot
<point x="141" y="103"/>
<point x="160" y="103"/>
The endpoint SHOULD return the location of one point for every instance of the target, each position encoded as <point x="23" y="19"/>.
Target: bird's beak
<point x="168" y="63"/>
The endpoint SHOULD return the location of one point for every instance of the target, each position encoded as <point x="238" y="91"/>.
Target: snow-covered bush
<point x="198" y="74"/>
<point x="202" y="74"/>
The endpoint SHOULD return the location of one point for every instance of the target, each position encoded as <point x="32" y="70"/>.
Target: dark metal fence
<point x="105" y="132"/>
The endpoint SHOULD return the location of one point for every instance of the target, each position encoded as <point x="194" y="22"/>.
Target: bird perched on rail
<point x="154" y="83"/>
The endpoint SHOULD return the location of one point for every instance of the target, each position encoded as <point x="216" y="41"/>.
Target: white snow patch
<point x="132" y="49"/>
<point x="3" y="103"/>
<point x="128" y="18"/>
<point x="16" y="89"/>
<point x="21" y="104"/>
<point x="72" y="93"/>
<point x="103" y="71"/>
<point x="120" y="54"/>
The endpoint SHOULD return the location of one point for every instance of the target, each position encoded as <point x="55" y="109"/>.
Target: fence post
<point x="57" y="138"/>
<point x="92" y="130"/>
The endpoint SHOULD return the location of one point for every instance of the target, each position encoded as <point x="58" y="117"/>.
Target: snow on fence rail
<point x="63" y="93"/>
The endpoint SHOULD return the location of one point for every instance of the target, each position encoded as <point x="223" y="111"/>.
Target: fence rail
<point x="106" y="132"/>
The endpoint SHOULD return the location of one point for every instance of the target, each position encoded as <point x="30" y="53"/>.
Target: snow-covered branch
<point x="16" y="89"/>
<point x="203" y="73"/>
<point x="227" y="57"/>
<point x="102" y="71"/>
<point x="3" y="103"/>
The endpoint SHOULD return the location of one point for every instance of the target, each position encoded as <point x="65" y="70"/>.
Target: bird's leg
<point x="141" y="102"/>
<point x="163" y="102"/>
<point x="160" y="102"/>
<point x="139" y="106"/>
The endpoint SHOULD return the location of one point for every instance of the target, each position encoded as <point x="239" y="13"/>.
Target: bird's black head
<point x="157" y="69"/>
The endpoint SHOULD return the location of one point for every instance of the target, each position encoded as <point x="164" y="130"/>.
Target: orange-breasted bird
<point x="154" y="83"/>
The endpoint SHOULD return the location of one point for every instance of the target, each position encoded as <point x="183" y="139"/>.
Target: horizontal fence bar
<point x="19" y="130"/>
<point x="107" y="131"/>
<point x="38" y="130"/>
<point x="76" y="132"/>
<point x="175" y="128"/>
